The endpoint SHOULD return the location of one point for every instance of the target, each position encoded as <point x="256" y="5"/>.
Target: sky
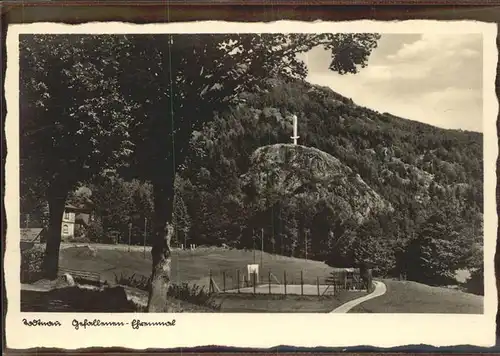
<point x="432" y="78"/>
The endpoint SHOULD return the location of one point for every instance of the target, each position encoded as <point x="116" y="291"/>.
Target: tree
<point x="117" y="203"/>
<point x="113" y="206"/>
<point x="74" y="121"/>
<point x="142" y="202"/>
<point x="81" y="197"/>
<point x="439" y="249"/>
<point x="374" y="248"/>
<point x="180" y="219"/>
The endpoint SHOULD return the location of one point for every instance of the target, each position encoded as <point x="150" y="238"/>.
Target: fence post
<point x="210" y="285"/>
<point x="345" y="281"/>
<point x="224" y="281"/>
<point x="269" y="282"/>
<point x="254" y="282"/>
<point x="238" y="279"/>
<point x="301" y="283"/>
<point x="317" y="283"/>
<point x="284" y="280"/>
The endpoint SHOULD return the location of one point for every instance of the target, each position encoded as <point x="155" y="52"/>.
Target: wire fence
<point x="286" y="283"/>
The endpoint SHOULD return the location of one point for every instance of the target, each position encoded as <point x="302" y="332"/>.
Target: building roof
<point x="31" y="234"/>
<point x="82" y="218"/>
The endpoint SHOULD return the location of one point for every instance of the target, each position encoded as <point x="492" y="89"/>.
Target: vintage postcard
<point x="251" y="184"/>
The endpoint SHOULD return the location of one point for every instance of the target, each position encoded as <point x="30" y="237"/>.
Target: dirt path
<point x="380" y="289"/>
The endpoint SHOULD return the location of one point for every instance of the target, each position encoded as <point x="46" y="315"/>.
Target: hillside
<point x="431" y="177"/>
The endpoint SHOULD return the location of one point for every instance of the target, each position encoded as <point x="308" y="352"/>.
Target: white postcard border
<point x="254" y="330"/>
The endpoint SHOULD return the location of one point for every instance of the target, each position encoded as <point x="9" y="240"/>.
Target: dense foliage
<point x="205" y="104"/>
<point x="431" y="177"/>
<point x="75" y="121"/>
<point x="31" y="264"/>
<point x="82" y="111"/>
<point x="191" y="293"/>
<point x="122" y="209"/>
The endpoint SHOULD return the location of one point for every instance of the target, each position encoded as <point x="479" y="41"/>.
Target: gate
<point x="346" y="279"/>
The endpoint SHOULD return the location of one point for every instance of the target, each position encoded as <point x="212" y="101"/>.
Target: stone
<point x="306" y="174"/>
<point x="69" y="279"/>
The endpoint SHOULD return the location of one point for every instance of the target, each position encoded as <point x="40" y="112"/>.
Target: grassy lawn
<point x="194" y="266"/>
<point x="412" y="297"/>
<point x="249" y="303"/>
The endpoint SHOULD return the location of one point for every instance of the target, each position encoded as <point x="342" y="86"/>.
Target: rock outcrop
<point x="296" y="171"/>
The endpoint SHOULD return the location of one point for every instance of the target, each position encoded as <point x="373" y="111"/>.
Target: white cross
<point x="295" y="136"/>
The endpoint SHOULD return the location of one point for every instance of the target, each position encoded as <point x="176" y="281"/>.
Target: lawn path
<point x="380" y="289"/>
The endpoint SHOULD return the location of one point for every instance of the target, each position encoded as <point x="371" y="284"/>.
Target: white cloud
<point x="387" y="72"/>
<point x="435" y="79"/>
<point x="469" y="53"/>
<point x="435" y="46"/>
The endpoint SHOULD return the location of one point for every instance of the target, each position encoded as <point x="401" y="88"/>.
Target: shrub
<point x="95" y="231"/>
<point x="79" y="231"/>
<point x="189" y="293"/>
<point x="193" y="294"/>
<point x="431" y="260"/>
<point x="475" y="283"/>
<point x="134" y="281"/>
<point x="31" y="264"/>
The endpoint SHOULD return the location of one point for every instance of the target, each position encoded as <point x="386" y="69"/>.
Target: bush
<point x="475" y="283"/>
<point x="189" y="293"/>
<point x="134" y="281"/>
<point x="193" y="294"/>
<point x="79" y="231"/>
<point x="31" y="264"/>
<point x="431" y="261"/>
<point x="95" y="231"/>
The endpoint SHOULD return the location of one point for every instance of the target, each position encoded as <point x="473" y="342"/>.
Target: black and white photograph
<point x="269" y="172"/>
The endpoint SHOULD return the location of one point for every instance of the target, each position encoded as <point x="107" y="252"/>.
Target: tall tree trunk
<point x="57" y="199"/>
<point x="160" y="252"/>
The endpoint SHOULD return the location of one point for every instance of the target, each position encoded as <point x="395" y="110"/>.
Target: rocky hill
<point x="297" y="172"/>
<point x="365" y="185"/>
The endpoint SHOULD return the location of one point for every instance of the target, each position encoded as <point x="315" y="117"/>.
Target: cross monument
<point x="295" y="136"/>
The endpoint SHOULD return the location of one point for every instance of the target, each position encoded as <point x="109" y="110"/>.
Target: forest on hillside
<point x="193" y="144"/>
<point x="431" y="177"/>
